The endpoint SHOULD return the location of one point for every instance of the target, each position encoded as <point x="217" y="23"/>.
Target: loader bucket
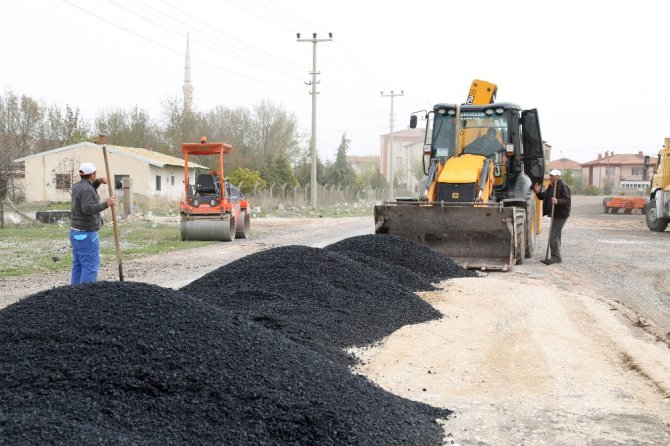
<point x="477" y="236"/>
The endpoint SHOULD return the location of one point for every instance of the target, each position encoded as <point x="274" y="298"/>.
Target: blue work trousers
<point x="85" y="256"/>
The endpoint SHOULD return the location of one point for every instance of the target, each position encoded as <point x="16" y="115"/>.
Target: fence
<point x="283" y="197"/>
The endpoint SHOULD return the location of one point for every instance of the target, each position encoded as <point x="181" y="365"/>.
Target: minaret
<point x="188" y="86"/>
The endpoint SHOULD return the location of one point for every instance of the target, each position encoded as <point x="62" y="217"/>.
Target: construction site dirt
<point x="575" y="353"/>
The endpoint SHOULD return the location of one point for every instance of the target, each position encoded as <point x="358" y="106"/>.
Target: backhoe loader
<point x="476" y="205"/>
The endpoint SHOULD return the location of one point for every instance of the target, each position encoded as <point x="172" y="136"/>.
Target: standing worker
<point x="86" y="222"/>
<point x="560" y="202"/>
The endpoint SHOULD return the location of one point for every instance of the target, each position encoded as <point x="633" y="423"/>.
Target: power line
<point x="220" y="68"/>
<point x="200" y="23"/>
<point x="204" y="44"/>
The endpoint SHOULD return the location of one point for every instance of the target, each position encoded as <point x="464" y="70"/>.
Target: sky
<point x="596" y="70"/>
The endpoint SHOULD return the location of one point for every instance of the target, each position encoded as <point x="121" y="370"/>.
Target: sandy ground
<point x="524" y="363"/>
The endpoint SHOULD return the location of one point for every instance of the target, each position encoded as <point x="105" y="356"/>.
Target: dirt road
<point x="574" y="354"/>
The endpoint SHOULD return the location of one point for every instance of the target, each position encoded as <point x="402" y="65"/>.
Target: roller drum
<point x="208" y="228"/>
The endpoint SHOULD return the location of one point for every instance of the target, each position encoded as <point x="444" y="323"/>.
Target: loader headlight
<point x="196" y="203"/>
<point x="451" y="112"/>
<point x="489" y="111"/>
<point x="212" y="202"/>
<point x="499" y="111"/>
<point x="441" y="110"/>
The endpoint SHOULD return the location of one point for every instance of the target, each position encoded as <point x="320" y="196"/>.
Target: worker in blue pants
<point x="86" y="220"/>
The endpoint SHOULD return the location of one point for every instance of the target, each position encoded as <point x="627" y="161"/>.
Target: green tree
<point x="279" y="172"/>
<point x="340" y="172"/>
<point x="370" y="175"/>
<point x="608" y="185"/>
<point x="303" y="172"/>
<point x="574" y="181"/>
<point x="248" y="179"/>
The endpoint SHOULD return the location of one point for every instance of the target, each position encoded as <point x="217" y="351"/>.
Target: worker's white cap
<point x="555" y="172"/>
<point x="86" y="168"/>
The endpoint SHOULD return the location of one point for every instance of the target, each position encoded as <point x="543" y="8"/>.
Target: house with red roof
<point x="625" y="171"/>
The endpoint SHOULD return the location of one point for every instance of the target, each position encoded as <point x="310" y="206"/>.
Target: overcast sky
<point x="597" y="71"/>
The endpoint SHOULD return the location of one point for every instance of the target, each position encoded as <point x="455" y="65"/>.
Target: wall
<point x="40" y="179"/>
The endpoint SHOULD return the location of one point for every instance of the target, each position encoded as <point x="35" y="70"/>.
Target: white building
<point x="49" y="175"/>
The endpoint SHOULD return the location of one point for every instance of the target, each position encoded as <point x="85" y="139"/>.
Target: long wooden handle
<point x="113" y="208"/>
<point x="551" y="222"/>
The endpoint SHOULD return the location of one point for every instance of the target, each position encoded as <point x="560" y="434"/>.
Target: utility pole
<point x="313" y="83"/>
<point x="389" y="163"/>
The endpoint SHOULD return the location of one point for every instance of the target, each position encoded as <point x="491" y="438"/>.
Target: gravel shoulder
<point x="527" y="363"/>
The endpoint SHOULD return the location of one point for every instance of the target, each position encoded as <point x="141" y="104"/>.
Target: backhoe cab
<point x="476" y="204"/>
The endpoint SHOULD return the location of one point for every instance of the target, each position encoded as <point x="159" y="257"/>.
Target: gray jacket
<point x="86" y="206"/>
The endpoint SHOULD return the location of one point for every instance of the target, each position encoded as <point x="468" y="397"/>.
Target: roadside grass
<point x="29" y="249"/>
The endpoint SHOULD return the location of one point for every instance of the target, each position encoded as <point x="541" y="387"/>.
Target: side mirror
<point x="412" y="121"/>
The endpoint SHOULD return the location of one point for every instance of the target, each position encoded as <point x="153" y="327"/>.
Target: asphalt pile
<point x="128" y="363"/>
<point x="316" y="297"/>
<point x="401" y="254"/>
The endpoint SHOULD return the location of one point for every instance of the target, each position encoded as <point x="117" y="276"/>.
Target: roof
<point x="624" y="158"/>
<point x="408" y="133"/>
<point x="148" y="156"/>
<point x="564" y="164"/>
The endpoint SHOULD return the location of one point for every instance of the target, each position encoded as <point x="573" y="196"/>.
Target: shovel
<point x="103" y="141"/>
<point x="546" y="260"/>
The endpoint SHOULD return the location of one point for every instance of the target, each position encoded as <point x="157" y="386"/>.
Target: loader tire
<point x="520" y="228"/>
<point x="654" y="222"/>
<point x="531" y="226"/>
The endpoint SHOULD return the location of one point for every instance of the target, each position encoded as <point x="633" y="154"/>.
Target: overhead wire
<point x="203" y="43"/>
<point x="200" y="23"/>
<point x="150" y="40"/>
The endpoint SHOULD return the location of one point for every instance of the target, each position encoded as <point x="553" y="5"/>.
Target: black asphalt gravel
<point x="401" y="252"/>
<point x="127" y="363"/>
<point x="315" y="297"/>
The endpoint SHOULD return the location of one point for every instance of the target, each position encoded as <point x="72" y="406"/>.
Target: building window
<point x="158" y="183"/>
<point x="118" y="181"/>
<point x="609" y="171"/>
<point x="637" y="171"/>
<point x="172" y="180"/>
<point x="398" y="160"/>
<point x="63" y="181"/>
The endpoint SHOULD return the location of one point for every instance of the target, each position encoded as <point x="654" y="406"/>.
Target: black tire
<point x="520" y="227"/>
<point x="654" y="222"/>
<point x="531" y="226"/>
<point x="614" y="210"/>
<point x="627" y="211"/>
<point x="606" y="210"/>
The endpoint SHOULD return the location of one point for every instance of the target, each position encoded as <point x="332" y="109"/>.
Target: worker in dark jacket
<point x="86" y="222"/>
<point x="561" y="203"/>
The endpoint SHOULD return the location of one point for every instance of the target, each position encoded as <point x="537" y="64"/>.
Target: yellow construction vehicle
<point x="476" y="205"/>
<point x="658" y="209"/>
